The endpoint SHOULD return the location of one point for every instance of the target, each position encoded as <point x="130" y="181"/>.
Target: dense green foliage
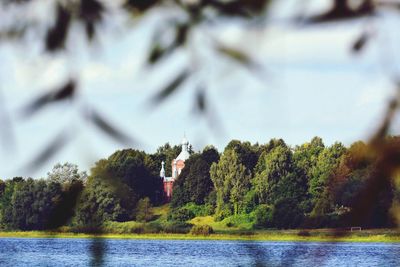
<point x="115" y="186"/>
<point x="143" y="210"/>
<point x="37" y="204"/>
<point x="247" y="186"/>
<point x="194" y="183"/>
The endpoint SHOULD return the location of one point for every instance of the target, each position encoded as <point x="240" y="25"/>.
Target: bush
<point x="223" y="212"/>
<point x="153" y="228"/>
<point x="88" y="229"/>
<point x="181" y="215"/>
<point x="287" y="214"/>
<point x="139" y="229"/>
<point x="209" y="209"/>
<point x="242" y="221"/>
<point x="177" y="227"/>
<point x="263" y="216"/>
<point x="201" y="230"/>
<point x="198" y="210"/>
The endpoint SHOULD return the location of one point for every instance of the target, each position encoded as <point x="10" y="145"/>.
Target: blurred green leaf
<point x="235" y="54"/>
<point x="170" y="88"/>
<point x="57" y="34"/>
<point x="360" y="42"/>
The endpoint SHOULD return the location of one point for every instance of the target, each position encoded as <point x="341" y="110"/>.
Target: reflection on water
<point x="97" y="251"/>
<point x="108" y="252"/>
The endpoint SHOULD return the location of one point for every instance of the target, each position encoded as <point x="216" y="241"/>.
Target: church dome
<point x="184" y="155"/>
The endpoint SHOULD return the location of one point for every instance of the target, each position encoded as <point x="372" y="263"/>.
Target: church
<point x="177" y="165"/>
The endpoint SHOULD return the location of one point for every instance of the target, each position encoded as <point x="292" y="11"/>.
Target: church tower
<point x="177" y="165"/>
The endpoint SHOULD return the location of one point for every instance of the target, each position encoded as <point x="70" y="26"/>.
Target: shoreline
<point x="276" y="236"/>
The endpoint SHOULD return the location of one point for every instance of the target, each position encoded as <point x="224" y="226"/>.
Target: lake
<point x="114" y="252"/>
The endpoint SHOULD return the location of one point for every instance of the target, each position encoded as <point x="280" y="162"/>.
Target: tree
<point x="248" y="154"/>
<point x="287" y="213"/>
<point x="322" y="172"/>
<point x="305" y="158"/>
<point x="6" y="212"/>
<point x="275" y="178"/>
<point x="115" y="185"/>
<point x="33" y="203"/>
<point x="210" y="154"/>
<point x="194" y="183"/>
<point x="143" y="210"/>
<point x="354" y="168"/>
<point x="132" y="167"/>
<point x="66" y="207"/>
<point x="100" y="203"/>
<point x="2" y="187"/>
<point x="306" y="155"/>
<point x="231" y="182"/>
<point x="199" y="183"/>
<point x="181" y="195"/>
<point x="105" y="198"/>
<point x="66" y="173"/>
<point x="352" y="176"/>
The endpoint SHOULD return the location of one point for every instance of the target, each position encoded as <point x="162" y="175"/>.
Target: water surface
<point x="113" y="252"/>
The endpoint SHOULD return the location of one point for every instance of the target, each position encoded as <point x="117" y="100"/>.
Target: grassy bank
<point x="322" y="235"/>
<point x="231" y="228"/>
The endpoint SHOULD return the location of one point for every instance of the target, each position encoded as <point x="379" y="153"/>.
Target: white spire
<point x="184" y="140"/>
<point x="162" y="172"/>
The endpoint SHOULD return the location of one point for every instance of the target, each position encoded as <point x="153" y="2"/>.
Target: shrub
<point x="263" y="216"/>
<point x="181" y="215"/>
<point x="138" y="229"/>
<point x="198" y="210"/>
<point x="209" y="209"/>
<point x="242" y="221"/>
<point x="287" y="214"/>
<point x="153" y="227"/>
<point x="201" y="230"/>
<point x="89" y="229"/>
<point x="223" y="212"/>
<point x="123" y="227"/>
<point x="245" y="232"/>
<point x="177" y="227"/>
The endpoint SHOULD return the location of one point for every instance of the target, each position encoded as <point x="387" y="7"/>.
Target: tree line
<point x="270" y="185"/>
<point x="275" y="185"/>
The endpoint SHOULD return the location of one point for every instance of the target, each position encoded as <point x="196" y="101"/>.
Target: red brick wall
<point x="168" y="186"/>
<point x="168" y="190"/>
<point x="180" y="164"/>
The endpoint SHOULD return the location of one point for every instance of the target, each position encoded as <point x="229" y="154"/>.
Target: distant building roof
<point x="184" y="155"/>
<point x="168" y="179"/>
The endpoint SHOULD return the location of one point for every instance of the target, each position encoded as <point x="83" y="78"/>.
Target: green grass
<point x="161" y="210"/>
<point x="230" y="224"/>
<point x="232" y="228"/>
<point x="322" y="235"/>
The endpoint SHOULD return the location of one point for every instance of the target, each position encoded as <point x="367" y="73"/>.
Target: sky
<point x="307" y="84"/>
